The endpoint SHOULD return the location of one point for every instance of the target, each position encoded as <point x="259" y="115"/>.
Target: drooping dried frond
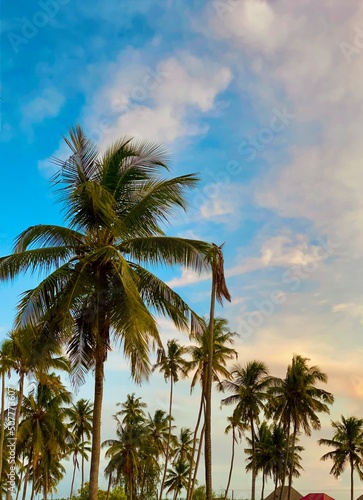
<point x="216" y="260"/>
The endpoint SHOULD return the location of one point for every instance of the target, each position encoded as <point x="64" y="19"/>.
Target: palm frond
<point x="40" y="259"/>
<point x="47" y="235"/>
<point x="165" y="250"/>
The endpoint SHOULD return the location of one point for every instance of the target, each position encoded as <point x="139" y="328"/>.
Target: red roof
<point x="317" y="496"/>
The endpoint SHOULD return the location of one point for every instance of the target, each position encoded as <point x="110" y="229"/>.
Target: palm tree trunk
<point x="202" y="432"/>
<point x="189" y="490"/>
<point x="2" y="431"/>
<point x="73" y="476"/>
<point x="45" y="490"/>
<point x="286" y="459"/>
<point x="232" y="461"/>
<point x="167" y="454"/>
<point x="82" y="480"/>
<point x="292" y="452"/>
<point x="169" y="437"/>
<point x="20" y="400"/>
<point x="20" y="480"/>
<point x="263" y="485"/>
<point x="109" y="486"/>
<point x="33" y="491"/>
<point x="27" y="472"/>
<point x="253" y="489"/>
<point x="208" y="399"/>
<point x="351" y="479"/>
<point x="96" y="427"/>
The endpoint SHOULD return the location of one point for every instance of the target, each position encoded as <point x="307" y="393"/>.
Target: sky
<point x="263" y="99"/>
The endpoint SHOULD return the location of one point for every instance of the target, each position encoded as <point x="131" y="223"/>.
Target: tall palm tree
<point x="296" y="401"/>
<point x="249" y="387"/>
<point x="223" y="340"/>
<point x="238" y="428"/>
<point x="219" y="292"/>
<point x="348" y="443"/>
<point x="172" y="364"/>
<point x="97" y="288"/>
<point x="80" y="417"/>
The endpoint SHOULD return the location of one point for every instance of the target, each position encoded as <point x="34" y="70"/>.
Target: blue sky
<point x="263" y="100"/>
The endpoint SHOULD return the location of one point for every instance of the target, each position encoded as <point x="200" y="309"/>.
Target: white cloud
<point x="46" y="105"/>
<point x="251" y="23"/>
<point x="300" y="55"/>
<point x="187" y="277"/>
<point x="161" y="104"/>
<point x="352" y="309"/>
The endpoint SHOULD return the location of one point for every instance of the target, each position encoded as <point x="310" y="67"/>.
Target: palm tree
<point x="78" y="447"/>
<point x="249" y="387"/>
<point x="43" y="433"/>
<point x="125" y="452"/>
<point x="80" y="420"/>
<point x="177" y="477"/>
<point x="153" y="448"/>
<point x="34" y="353"/>
<point x="172" y="364"/>
<point x="158" y="430"/>
<point x="279" y="446"/>
<point x="133" y="455"/>
<point x="296" y="401"/>
<point x="238" y="428"/>
<point x="348" y="443"/>
<point x="219" y="292"/>
<point x="184" y="446"/>
<point x="223" y="339"/>
<point x="96" y="288"/>
<point x="270" y="452"/>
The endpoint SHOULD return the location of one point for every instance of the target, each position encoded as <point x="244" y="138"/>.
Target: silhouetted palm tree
<point x="296" y="401"/>
<point x="219" y="292"/>
<point x="238" y="428"/>
<point x="223" y="340"/>
<point x="348" y="443"/>
<point x="249" y="387"/>
<point x="80" y="417"/>
<point x="173" y="365"/>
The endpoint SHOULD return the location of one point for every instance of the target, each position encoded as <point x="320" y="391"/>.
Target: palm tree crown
<point x="96" y="287"/>
<point x="348" y="443"/>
